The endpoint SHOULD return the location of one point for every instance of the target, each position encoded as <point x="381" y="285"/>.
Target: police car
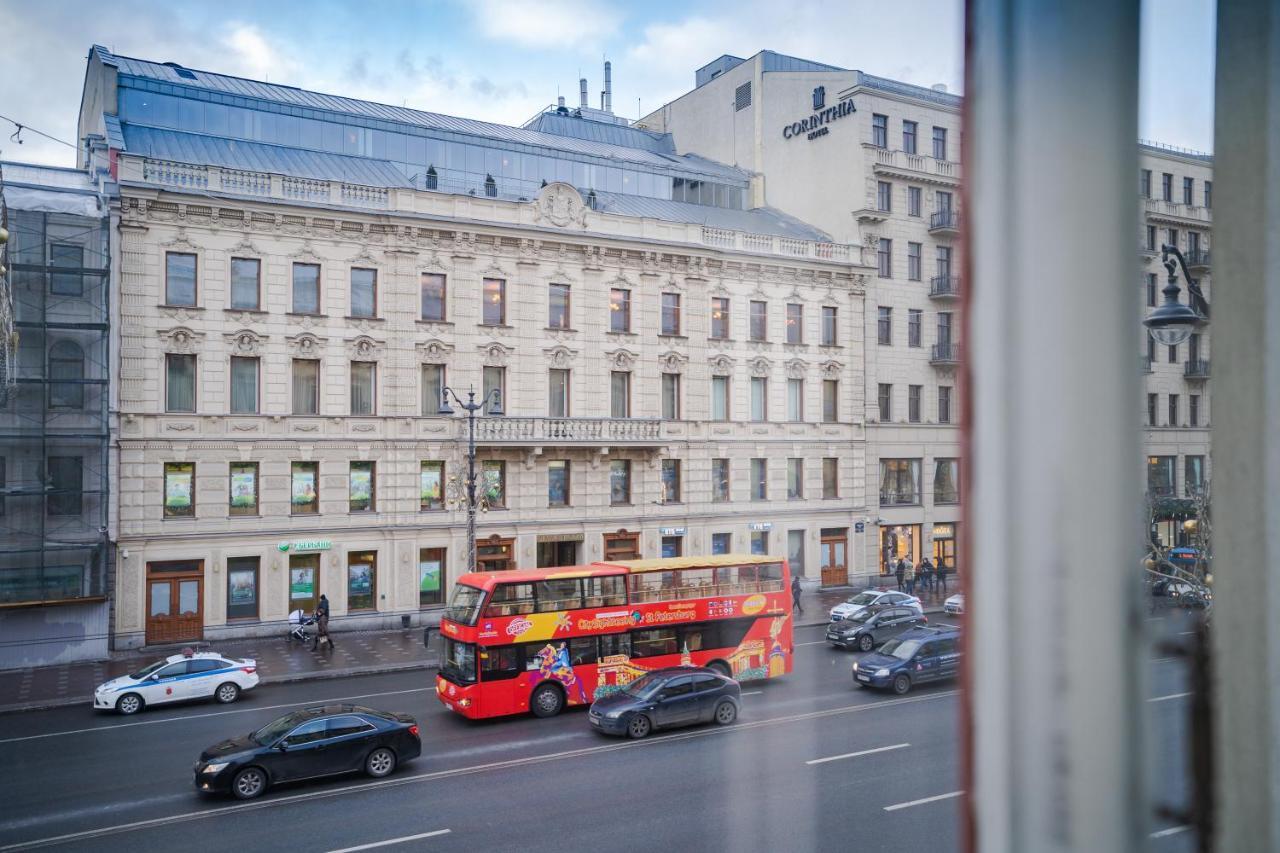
<point x="177" y="678"/>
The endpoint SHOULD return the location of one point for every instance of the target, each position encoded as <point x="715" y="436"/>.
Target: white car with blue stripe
<point x="177" y="678"/>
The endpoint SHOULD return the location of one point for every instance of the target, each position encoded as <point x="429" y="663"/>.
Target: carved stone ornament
<point x="622" y="359"/>
<point x="559" y="357"/>
<point x="364" y="348"/>
<point x="245" y="342"/>
<point x="832" y="369"/>
<point x="672" y="362"/>
<point x="365" y="259"/>
<point x="180" y="243"/>
<point x="796" y="369"/>
<point x="434" y="351"/>
<point x="180" y="340"/>
<point x="495" y="354"/>
<point x="560" y="205"/>
<point x="305" y="345"/>
<point x="244" y="248"/>
<point x="721" y="365"/>
<point x="306" y="254"/>
<point x="761" y="367"/>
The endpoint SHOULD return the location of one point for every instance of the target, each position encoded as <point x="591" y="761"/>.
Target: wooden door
<point x="835" y="569"/>
<point x="175" y="606"/>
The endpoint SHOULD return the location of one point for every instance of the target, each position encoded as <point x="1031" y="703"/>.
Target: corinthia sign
<point x="816" y="124"/>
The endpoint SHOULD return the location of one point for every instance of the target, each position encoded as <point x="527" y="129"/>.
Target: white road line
<point x="1166" y="698"/>
<point x="813" y="643"/>
<point x="313" y="796"/>
<point x="1173" y="830"/>
<point x="246" y="710"/>
<point x="856" y="754"/>
<point x="752" y="692"/>
<point x="896" y="806"/>
<point x="391" y="841"/>
<point x="947" y="625"/>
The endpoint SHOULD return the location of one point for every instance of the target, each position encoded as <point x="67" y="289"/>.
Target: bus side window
<point x="771" y="577"/>
<point x="582" y="651"/>
<point x="651" y="642"/>
<point x="696" y="583"/>
<point x="558" y="594"/>
<point x="608" y="591"/>
<point x="647" y="586"/>
<point x="732" y="632"/>
<point x="699" y="636"/>
<point x="615" y="644"/>
<point x="499" y="663"/>
<point x="510" y="599"/>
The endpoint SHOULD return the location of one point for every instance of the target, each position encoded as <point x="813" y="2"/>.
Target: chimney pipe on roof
<point x="560" y="101"/>
<point x="608" y="86"/>
<point x="582" y="92"/>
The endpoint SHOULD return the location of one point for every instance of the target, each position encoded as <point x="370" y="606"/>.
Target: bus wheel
<point x="546" y="701"/>
<point x="721" y="668"/>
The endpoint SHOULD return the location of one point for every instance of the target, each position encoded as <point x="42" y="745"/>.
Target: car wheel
<point x="380" y="762"/>
<point x="865" y="642"/>
<point x="249" y="783"/>
<point x="227" y="693"/>
<point x="546" y="701"/>
<point x="129" y="703"/>
<point x="639" y="727"/>
<point x="720" y="668"/>
<point x="901" y="684"/>
<point x="726" y="713"/>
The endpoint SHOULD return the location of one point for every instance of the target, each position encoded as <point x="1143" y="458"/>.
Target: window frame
<point x="353" y="373"/>
<point x="195" y="279"/>
<point x="254" y="510"/>
<point x="187" y="469"/>
<point x="565" y="306"/>
<point x="302" y="467"/>
<point x="297" y="267"/>
<point x="443" y="281"/>
<point x="171" y="358"/>
<point x="372" y="468"/>
<point x="670" y="477"/>
<point x="485" y="301"/>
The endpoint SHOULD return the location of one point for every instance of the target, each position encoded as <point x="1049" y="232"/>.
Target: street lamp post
<point x="470" y="406"/>
<point x="1173" y="322"/>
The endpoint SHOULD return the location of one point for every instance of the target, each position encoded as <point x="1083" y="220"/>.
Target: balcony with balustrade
<point x="1196" y="368"/>
<point x="945" y="355"/>
<point x="944" y="287"/>
<point x="581" y="432"/>
<point x="944" y="223"/>
<point x="1198" y="260"/>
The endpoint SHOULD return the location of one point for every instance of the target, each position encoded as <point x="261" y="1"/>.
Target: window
<point x="242" y="587"/>
<point x="306" y="288"/>
<point x="1144" y="183"/>
<point x="363" y="376"/>
<point x="1193" y="410"/>
<point x="795" y="400"/>
<point x="1208" y="194"/>
<point x="884" y="325"/>
<point x="899" y="482"/>
<point x="494" y="312"/>
<point x="939" y="143"/>
<point x="493" y="383"/>
<point x="179" y="278"/>
<point x="670" y="313"/>
<point x="1152" y="400"/>
<point x="243" y="489"/>
<point x="304" y="491"/>
<point x="913" y="403"/>
<point x="719" y="480"/>
<point x="65" y="486"/>
<point x="558" y="483"/>
<point x="1151" y="238"/>
<point x="830" y="401"/>
<point x="430" y="576"/>
<point x="913" y="261"/>
<point x="490" y="187"/>
<point x="909" y="136"/>
<point x="246" y="284"/>
<point x="884" y="196"/>
<point x="944" y="330"/>
<point x="721" y="543"/>
<point x="433" y="295"/>
<point x="362" y="571"/>
<point x="879" y="130"/>
<point x="830" y="329"/>
<point x="719" y="318"/>
<point x="1151" y="289"/>
<point x="432" y="179"/>
<point x="180" y="383"/>
<point x="671" y="396"/>
<point x="1173" y="410"/>
<point x="620" y="482"/>
<point x="493" y="483"/>
<point x="558" y="393"/>
<point x="431" y="485"/>
<point x="1193" y="479"/>
<point x="759" y="398"/>
<point x="1188" y="190"/>
<point x="66" y="376"/>
<point x="179" y="490"/>
<point x="619" y="394"/>
<point x="943" y="261"/>
<point x="70" y="257"/>
<point x="914" y="316"/>
<point x="759" y="321"/>
<point x="619" y="310"/>
<point x="914" y="205"/>
<point x="1173" y="354"/>
<point x="558" y="306"/>
<point x="885" y="399"/>
<point x="1173" y="237"/>
<point x="1193" y="242"/>
<point x="364" y="292"/>
<point x="670" y="481"/>
<point x="244" y="385"/>
<point x="946" y="481"/>
<point x="795" y="323"/>
<point x="432" y="389"/>
<point x="1166" y="186"/>
<point x="944" y="404"/>
<point x="360" y="487"/>
<point x="719" y="398"/>
<point x="830" y="477"/>
<point x="306" y="386"/>
<point x="1151" y="351"/>
<point x="795" y="479"/>
<point x="760" y="542"/>
<point x="759" y="479"/>
<point x="884" y="258"/>
<point x="653" y="642"/>
<point x="1161" y="475"/>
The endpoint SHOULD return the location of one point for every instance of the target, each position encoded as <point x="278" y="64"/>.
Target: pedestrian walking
<point x="942" y="579"/>
<point x="795" y="595"/>
<point x="926" y="575"/>
<point x="322" y="625"/>
<point x="901" y="572"/>
<point x="911" y="579"/>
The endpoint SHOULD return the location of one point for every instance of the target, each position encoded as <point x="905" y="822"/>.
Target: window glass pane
<point x="363" y="375"/>
<point x="361" y="574"/>
<point x="306" y="288"/>
<point x="180" y="386"/>
<point x="558" y="483"/>
<point x="180" y="279"/>
<point x="304" y="488"/>
<point x="306" y="386"/>
<point x="719" y="398"/>
<point x="364" y="289"/>
<point x="620" y="481"/>
<point x="433" y="293"/>
<point x="360" y="487"/>
<point x="243" y="489"/>
<point x="66" y="485"/>
<point x="242" y="588"/>
<point x="494" y="313"/>
<point x="558" y="310"/>
<point x="244" y="385"/>
<point x="671" y="396"/>
<point x="494" y="380"/>
<point x="432" y="388"/>
<point x="70" y="257"/>
<point x="431" y="486"/>
<point x="619" y="310"/>
<point x="179" y="490"/>
<point x="66" y="374"/>
<point x="759" y="398"/>
<point x="558" y="393"/>
<point x="245" y="279"/>
<point x="493" y="483"/>
<point x="430" y="576"/>
<point x="620" y="394"/>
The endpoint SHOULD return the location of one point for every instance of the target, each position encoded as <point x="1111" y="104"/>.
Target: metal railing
<point x="944" y="220"/>
<point x="944" y="286"/>
<point x="1196" y="368"/>
<point x="945" y="354"/>
<point x="604" y="430"/>
<point x="1146" y="364"/>
<point x="1198" y="258"/>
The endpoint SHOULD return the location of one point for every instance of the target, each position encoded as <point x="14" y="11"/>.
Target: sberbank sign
<point x="306" y="545"/>
<point x="816" y="124"/>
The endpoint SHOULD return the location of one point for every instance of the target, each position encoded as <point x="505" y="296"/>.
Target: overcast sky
<point x="504" y="60"/>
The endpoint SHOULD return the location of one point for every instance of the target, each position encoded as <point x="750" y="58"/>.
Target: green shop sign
<point x="306" y="545"/>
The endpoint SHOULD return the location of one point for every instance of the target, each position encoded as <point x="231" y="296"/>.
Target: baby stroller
<point x="298" y="622"/>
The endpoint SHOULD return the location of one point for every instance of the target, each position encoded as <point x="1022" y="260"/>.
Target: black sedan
<point x="868" y="628"/>
<point x="666" y="698"/>
<point x="305" y="744"/>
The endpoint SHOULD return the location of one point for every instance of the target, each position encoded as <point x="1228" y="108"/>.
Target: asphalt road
<point x="812" y="762"/>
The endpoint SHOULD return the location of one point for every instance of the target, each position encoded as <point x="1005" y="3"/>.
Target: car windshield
<point x="274" y="730"/>
<point x="147" y="670"/>
<point x="900" y="649"/>
<point x="644" y="686"/>
<point x="862" y="616"/>
<point x="862" y="599"/>
<point x="464" y="604"/>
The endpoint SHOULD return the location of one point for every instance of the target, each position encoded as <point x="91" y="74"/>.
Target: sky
<point x="505" y="60"/>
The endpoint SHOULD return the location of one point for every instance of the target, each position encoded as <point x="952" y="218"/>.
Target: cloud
<point x="548" y="25"/>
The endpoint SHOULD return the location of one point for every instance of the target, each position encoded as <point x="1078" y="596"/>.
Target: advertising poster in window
<point x="491" y="485"/>
<point x="360" y="580"/>
<point x="304" y="488"/>
<point x="361" y="486"/>
<point x="244" y="488"/>
<point x="302" y="584"/>
<point x="431" y="486"/>
<point x="243" y="588"/>
<point x="177" y="489"/>
<point x="428" y="576"/>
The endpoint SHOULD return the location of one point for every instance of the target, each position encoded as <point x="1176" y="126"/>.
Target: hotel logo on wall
<point x="817" y="124"/>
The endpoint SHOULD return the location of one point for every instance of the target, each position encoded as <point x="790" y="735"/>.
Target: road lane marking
<point x="299" y="703"/>
<point x="391" y="841"/>
<point x="753" y="693"/>
<point x="312" y="796"/>
<point x="921" y="802"/>
<point x="856" y="754"/>
<point x="1166" y="698"/>
<point x="1173" y="830"/>
<point x="813" y="643"/>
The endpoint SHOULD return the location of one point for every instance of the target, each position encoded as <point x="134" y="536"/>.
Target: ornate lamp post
<point x="1173" y="322"/>
<point x="465" y="493"/>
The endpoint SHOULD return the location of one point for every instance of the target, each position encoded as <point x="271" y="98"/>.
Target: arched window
<point x="490" y="186"/>
<point x="433" y="180"/>
<point x="66" y="375"/>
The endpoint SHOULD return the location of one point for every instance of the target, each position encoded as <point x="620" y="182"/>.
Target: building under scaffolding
<point x="55" y="554"/>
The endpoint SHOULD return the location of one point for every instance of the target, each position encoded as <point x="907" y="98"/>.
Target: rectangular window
<point x="795" y="400"/>
<point x="719" y="398"/>
<point x="1173" y="410"/>
<point x="619" y="310"/>
<point x="1173" y="354"/>
<point x="1151" y="290"/>
<point x="306" y="386"/>
<point x="913" y="403"/>
<point x="913" y="261"/>
<point x="944" y="202"/>
<point x="363" y="381"/>
<point x="1188" y="190"/>
<point x="180" y="383"/>
<point x="70" y="257"/>
<point x="939" y="143"/>
<point x="830" y="330"/>
<point x="558" y="483"/>
<point x="558" y="306"/>
<point x="1151" y="351"/>
<point x="671" y="396"/>
<point x="243" y="489"/>
<point x="1152" y="401"/>
<point x="432" y="389"/>
<point x="909" y="136"/>
<point x="944" y="330"/>
<point x="884" y="325"/>
<point x="304" y="488"/>
<point x="65" y="488"/>
<point x="914" y="204"/>
<point x="1208" y="194"/>
<point x="1173" y="237"/>
<point x="795" y="552"/>
<point x="306" y="288"/>
<point x="242" y="587"/>
<point x="1166" y="186"/>
<point x="494" y="312"/>
<point x="879" y="130"/>
<point x="759" y="398"/>
<point x="721" y="543"/>
<point x="493" y="483"/>
<point x="759" y="479"/>
<point x="943" y="261"/>
<point x="830" y="477"/>
<point x="433" y="296"/>
<point x="1151" y="238"/>
<point x="620" y="482"/>
<point x="760" y="542"/>
<point x="557" y="393"/>
<point x="362" y="571"/>
<point x="179" y="490"/>
<point x="1193" y="242"/>
<point x="670" y="313"/>
<point x="944" y="404"/>
<point x="431" y="485"/>
<point x="899" y="482"/>
<point x="619" y="394"/>
<point x="360" y="487"/>
<point x="1193" y="410"/>
<point x="946" y="481"/>
<point x="885" y="398"/>
<point x="1144" y="183"/>
<point x="1161" y="476"/>
<point x="914" y="322"/>
<point x="884" y="258"/>
<point x="830" y="401"/>
<point x="719" y="480"/>
<point x="244" y="385"/>
<point x="364" y="292"/>
<point x="759" y="321"/>
<point x="1193" y="481"/>
<point x="179" y="278"/>
<point x="246" y="283"/>
<point x="795" y="479"/>
<point x="430" y="576"/>
<point x="493" y="384"/>
<point x="671" y="481"/>
<point x="884" y="196"/>
<point x="719" y="318"/>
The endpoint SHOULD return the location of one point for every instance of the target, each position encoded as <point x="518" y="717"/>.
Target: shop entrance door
<point x="554" y="554"/>
<point x="175" y="602"/>
<point x="304" y="582"/>
<point x="835" y="558"/>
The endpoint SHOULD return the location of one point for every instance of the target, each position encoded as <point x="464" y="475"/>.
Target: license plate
<point x="864" y="678"/>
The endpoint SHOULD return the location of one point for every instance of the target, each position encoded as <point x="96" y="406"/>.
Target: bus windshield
<point x="464" y="604"/>
<point x="459" y="663"/>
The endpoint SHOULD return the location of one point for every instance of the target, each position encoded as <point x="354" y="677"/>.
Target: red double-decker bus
<point x="540" y="639"/>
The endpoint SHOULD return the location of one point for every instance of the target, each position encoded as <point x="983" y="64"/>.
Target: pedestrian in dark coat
<point x="942" y="579"/>
<point x="902" y="574"/>
<point x="322" y="625"/>
<point x="926" y="574"/>
<point x="795" y="594"/>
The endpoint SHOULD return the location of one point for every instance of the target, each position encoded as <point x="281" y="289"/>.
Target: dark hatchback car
<point x="913" y="657"/>
<point x="666" y="698"/>
<point x="868" y="628"/>
<point x="305" y="744"/>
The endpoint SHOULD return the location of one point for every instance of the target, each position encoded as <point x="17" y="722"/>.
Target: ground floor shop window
<point x="430" y="576"/>
<point x="495" y="554"/>
<point x="898" y="542"/>
<point x="672" y="546"/>
<point x="621" y="546"/>
<point x="944" y="546"/>
<point x="242" y="588"/>
<point x="362" y="570"/>
<point x="554" y="551"/>
<point x="304" y="582"/>
<point x="760" y="542"/>
<point x="795" y="552"/>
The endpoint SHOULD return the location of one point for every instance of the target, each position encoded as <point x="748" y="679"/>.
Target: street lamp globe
<point x="1172" y="324"/>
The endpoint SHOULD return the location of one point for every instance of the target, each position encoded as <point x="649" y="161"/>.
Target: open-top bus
<point x="539" y="639"/>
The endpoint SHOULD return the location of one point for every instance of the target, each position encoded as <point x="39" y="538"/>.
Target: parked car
<point x="868" y="628"/>
<point x="913" y="657"/>
<point x="177" y="678"/>
<point x="954" y="605"/>
<point x="873" y="598"/>
<point x="321" y="741"/>
<point x="666" y="698"/>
